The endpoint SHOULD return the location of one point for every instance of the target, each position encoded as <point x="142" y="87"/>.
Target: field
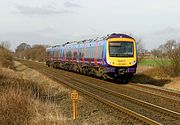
<point x="152" y="62"/>
<point x="150" y="71"/>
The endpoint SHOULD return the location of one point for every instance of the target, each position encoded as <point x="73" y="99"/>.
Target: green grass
<point x="153" y="62"/>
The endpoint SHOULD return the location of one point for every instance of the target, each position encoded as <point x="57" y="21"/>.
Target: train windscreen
<point x="121" y="49"/>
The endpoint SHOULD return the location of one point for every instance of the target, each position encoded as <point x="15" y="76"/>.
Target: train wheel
<point x="105" y="76"/>
<point x="101" y="73"/>
<point x="84" y="71"/>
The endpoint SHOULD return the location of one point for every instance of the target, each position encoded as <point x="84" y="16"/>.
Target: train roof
<point x="114" y="35"/>
<point x="52" y="47"/>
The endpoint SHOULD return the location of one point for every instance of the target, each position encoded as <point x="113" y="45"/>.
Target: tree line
<point x="169" y="56"/>
<point x="35" y="52"/>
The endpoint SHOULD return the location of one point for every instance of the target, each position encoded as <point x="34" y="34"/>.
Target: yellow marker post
<point x="74" y="98"/>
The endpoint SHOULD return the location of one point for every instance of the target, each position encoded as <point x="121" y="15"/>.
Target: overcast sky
<point x="57" y="21"/>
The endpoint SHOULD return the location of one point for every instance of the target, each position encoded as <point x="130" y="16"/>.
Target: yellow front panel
<point x="121" y="61"/>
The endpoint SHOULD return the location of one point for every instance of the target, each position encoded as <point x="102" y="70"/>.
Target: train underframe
<point x="116" y="73"/>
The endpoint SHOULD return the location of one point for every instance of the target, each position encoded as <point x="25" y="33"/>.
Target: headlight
<point x="133" y="62"/>
<point x="109" y="62"/>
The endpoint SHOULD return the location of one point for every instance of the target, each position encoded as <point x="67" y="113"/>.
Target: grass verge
<point x="26" y="102"/>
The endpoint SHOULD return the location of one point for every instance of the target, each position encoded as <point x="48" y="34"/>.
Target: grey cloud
<point x="70" y="5"/>
<point x="40" y="11"/>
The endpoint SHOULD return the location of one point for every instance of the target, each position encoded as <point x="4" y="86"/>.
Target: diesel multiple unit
<point x="113" y="56"/>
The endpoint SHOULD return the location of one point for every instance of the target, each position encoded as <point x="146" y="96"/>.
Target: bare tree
<point x="170" y="57"/>
<point x="140" y="47"/>
<point x="36" y="52"/>
<point x="19" y="52"/>
<point x="22" y="47"/>
<point x="169" y="46"/>
<point x="5" y="44"/>
<point x="6" y="55"/>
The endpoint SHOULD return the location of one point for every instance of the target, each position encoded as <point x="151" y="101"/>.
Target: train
<point x="110" y="57"/>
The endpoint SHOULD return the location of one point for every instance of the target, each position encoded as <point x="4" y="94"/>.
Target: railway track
<point x="138" y="108"/>
<point x="166" y="100"/>
<point x="170" y="93"/>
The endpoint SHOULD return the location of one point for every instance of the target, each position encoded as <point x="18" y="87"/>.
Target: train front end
<point x="121" y="56"/>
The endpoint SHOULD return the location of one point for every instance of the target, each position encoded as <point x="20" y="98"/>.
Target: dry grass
<point x="154" y="76"/>
<point x="15" y="108"/>
<point x="15" y="99"/>
<point x="23" y="101"/>
<point x="174" y="84"/>
<point x="6" y="57"/>
<point x="6" y="63"/>
<point x="155" y="72"/>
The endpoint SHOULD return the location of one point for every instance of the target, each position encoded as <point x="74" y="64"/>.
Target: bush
<point x="6" y="57"/>
<point x="174" y="58"/>
<point x="170" y="59"/>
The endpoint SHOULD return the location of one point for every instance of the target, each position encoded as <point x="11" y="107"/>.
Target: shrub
<point x="174" y="59"/>
<point x="170" y="58"/>
<point x="6" y="57"/>
<point x="171" y="63"/>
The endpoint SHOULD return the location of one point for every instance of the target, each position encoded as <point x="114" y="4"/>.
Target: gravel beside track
<point x="159" y="90"/>
<point x="121" y="94"/>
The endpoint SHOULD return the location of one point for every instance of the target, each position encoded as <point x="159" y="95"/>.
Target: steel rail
<point x="152" y="106"/>
<point x="154" y="94"/>
<point x="146" y="104"/>
<point x="149" y="93"/>
<point x="166" y="91"/>
<point x="107" y="102"/>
